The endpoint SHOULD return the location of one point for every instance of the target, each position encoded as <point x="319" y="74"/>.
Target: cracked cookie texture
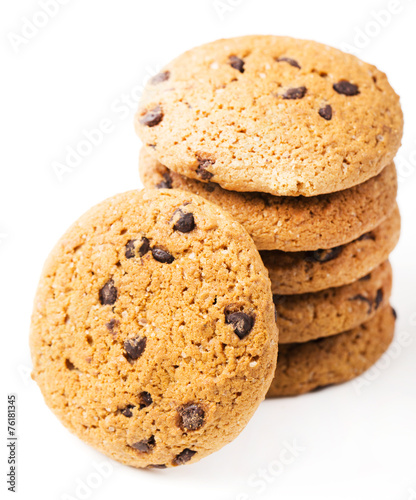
<point x="153" y="334"/>
<point x="271" y="114"/>
<point x="289" y="223"/>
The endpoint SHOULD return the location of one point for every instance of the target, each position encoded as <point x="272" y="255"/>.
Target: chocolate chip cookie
<point x="271" y="114"/>
<point x="153" y="333"/>
<point x="303" y="272"/>
<point x="332" y="360"/>
<point x="289" y="223"/>
<point x="309" y="316"/>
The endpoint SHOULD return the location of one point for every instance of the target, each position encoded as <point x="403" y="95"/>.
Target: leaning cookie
<point x="304" y="367"/>
<point x="304" y="272"/>
<point x="271" y="114"/>
<point x="153" y="333"/>
<point x="286" y="223"/>
<point x="309" y="316"/>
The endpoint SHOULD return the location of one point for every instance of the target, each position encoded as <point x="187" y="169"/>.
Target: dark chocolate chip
<point x="156" y="466"/>
<point x="323" y="255"/>
<point x="364" y="299"/>
<point x="185" y="223"/>
<point x="326" y="112"/>
<point x="144" y="247"/>
<point x="145" y="445"/>
<point x="202" y="169"/>
<point x="162" y="255"/>
<point x="153" y="117"/>
<point x="237" y="63"/>
<point x="127" y="411"/>
<point x="131" y="248"/>
<point x="289" y="60"/>
<point x="108" y="293"/>
<point x="145" y="399"/>
<point x="209" y="187"/>
<point x="69" y="365"/>
<point x="379" y="298"/>
<point x="166" y="183"/>
<point x="346" y="88"/>
<point x="241" y="322"/>
<point x="160" y="77"/>
<point x="295" y="93"/>
<point x="135" y="347"/>
<point x="183" y="457"/>
<point x="394" y="313"/>
<point x="191" y="417"/>
<point x="111" y="324"/>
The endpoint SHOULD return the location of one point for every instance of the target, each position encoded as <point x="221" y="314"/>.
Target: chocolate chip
<point x="364" y="299"/>
<point x="202" y="169"/>
<point x="379" y="298"/>
<point x="323" y="255"/>
<point x="185" y="223"/>
<point x="160" y="77"/>
<point x="346" y="88"/>
<point x="166" y="183"/>
<point x="145" y="399"/>
<point x="127" y="411"/>
<point x="152" y="117"/>
<point x="69" y="365"/>
<point x="108" y="293"/>
<point x="191" y="417"/>
<point x="162" y="255"/>
<point x="145" y="445"/>
<point x="394" y="313"/>
<point x="209" y="187"/>
<point x="237" y="63"/>
<point x="111" y="324"/>
<point x="365" y="278"/>
<point x="241" y="322"/>
<point x="183" y="457"/>
<point x="295" y="93"/>
<point x="156" y="466"/>
<point x="326" y="112"/>
<point x="131" y="248"/>
<point x="135" y="347"/>
<point x="292" y="62"/>
<point x="144" y="247"/>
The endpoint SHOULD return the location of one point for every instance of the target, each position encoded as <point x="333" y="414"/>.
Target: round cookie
<point x="288" y="223"/>
<point x="153" y="333"/>
<point x="271" y="114"/>
<point x="310" y="316"/>
<point x="304" y="367"/>
<point x="304" y="272"/>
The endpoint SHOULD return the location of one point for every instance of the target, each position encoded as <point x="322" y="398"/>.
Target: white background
<point x="356" y="441"/>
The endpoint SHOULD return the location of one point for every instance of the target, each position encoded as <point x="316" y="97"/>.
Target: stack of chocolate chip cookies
<point x="296" y="140"/>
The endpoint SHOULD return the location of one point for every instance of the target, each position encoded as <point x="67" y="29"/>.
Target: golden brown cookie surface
<point x="309" y="316"/>
<point x="271" y="114"/>
<point x="153" y="332"/>
<point x="304" y="272"/>
<point x="304" y="367"/>
<point x="287" y="223"/>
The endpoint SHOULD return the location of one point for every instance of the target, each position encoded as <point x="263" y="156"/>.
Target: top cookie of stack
<point x="271" y="114"/>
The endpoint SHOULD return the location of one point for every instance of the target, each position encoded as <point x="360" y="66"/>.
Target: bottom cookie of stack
<point x="304" y="367"/>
